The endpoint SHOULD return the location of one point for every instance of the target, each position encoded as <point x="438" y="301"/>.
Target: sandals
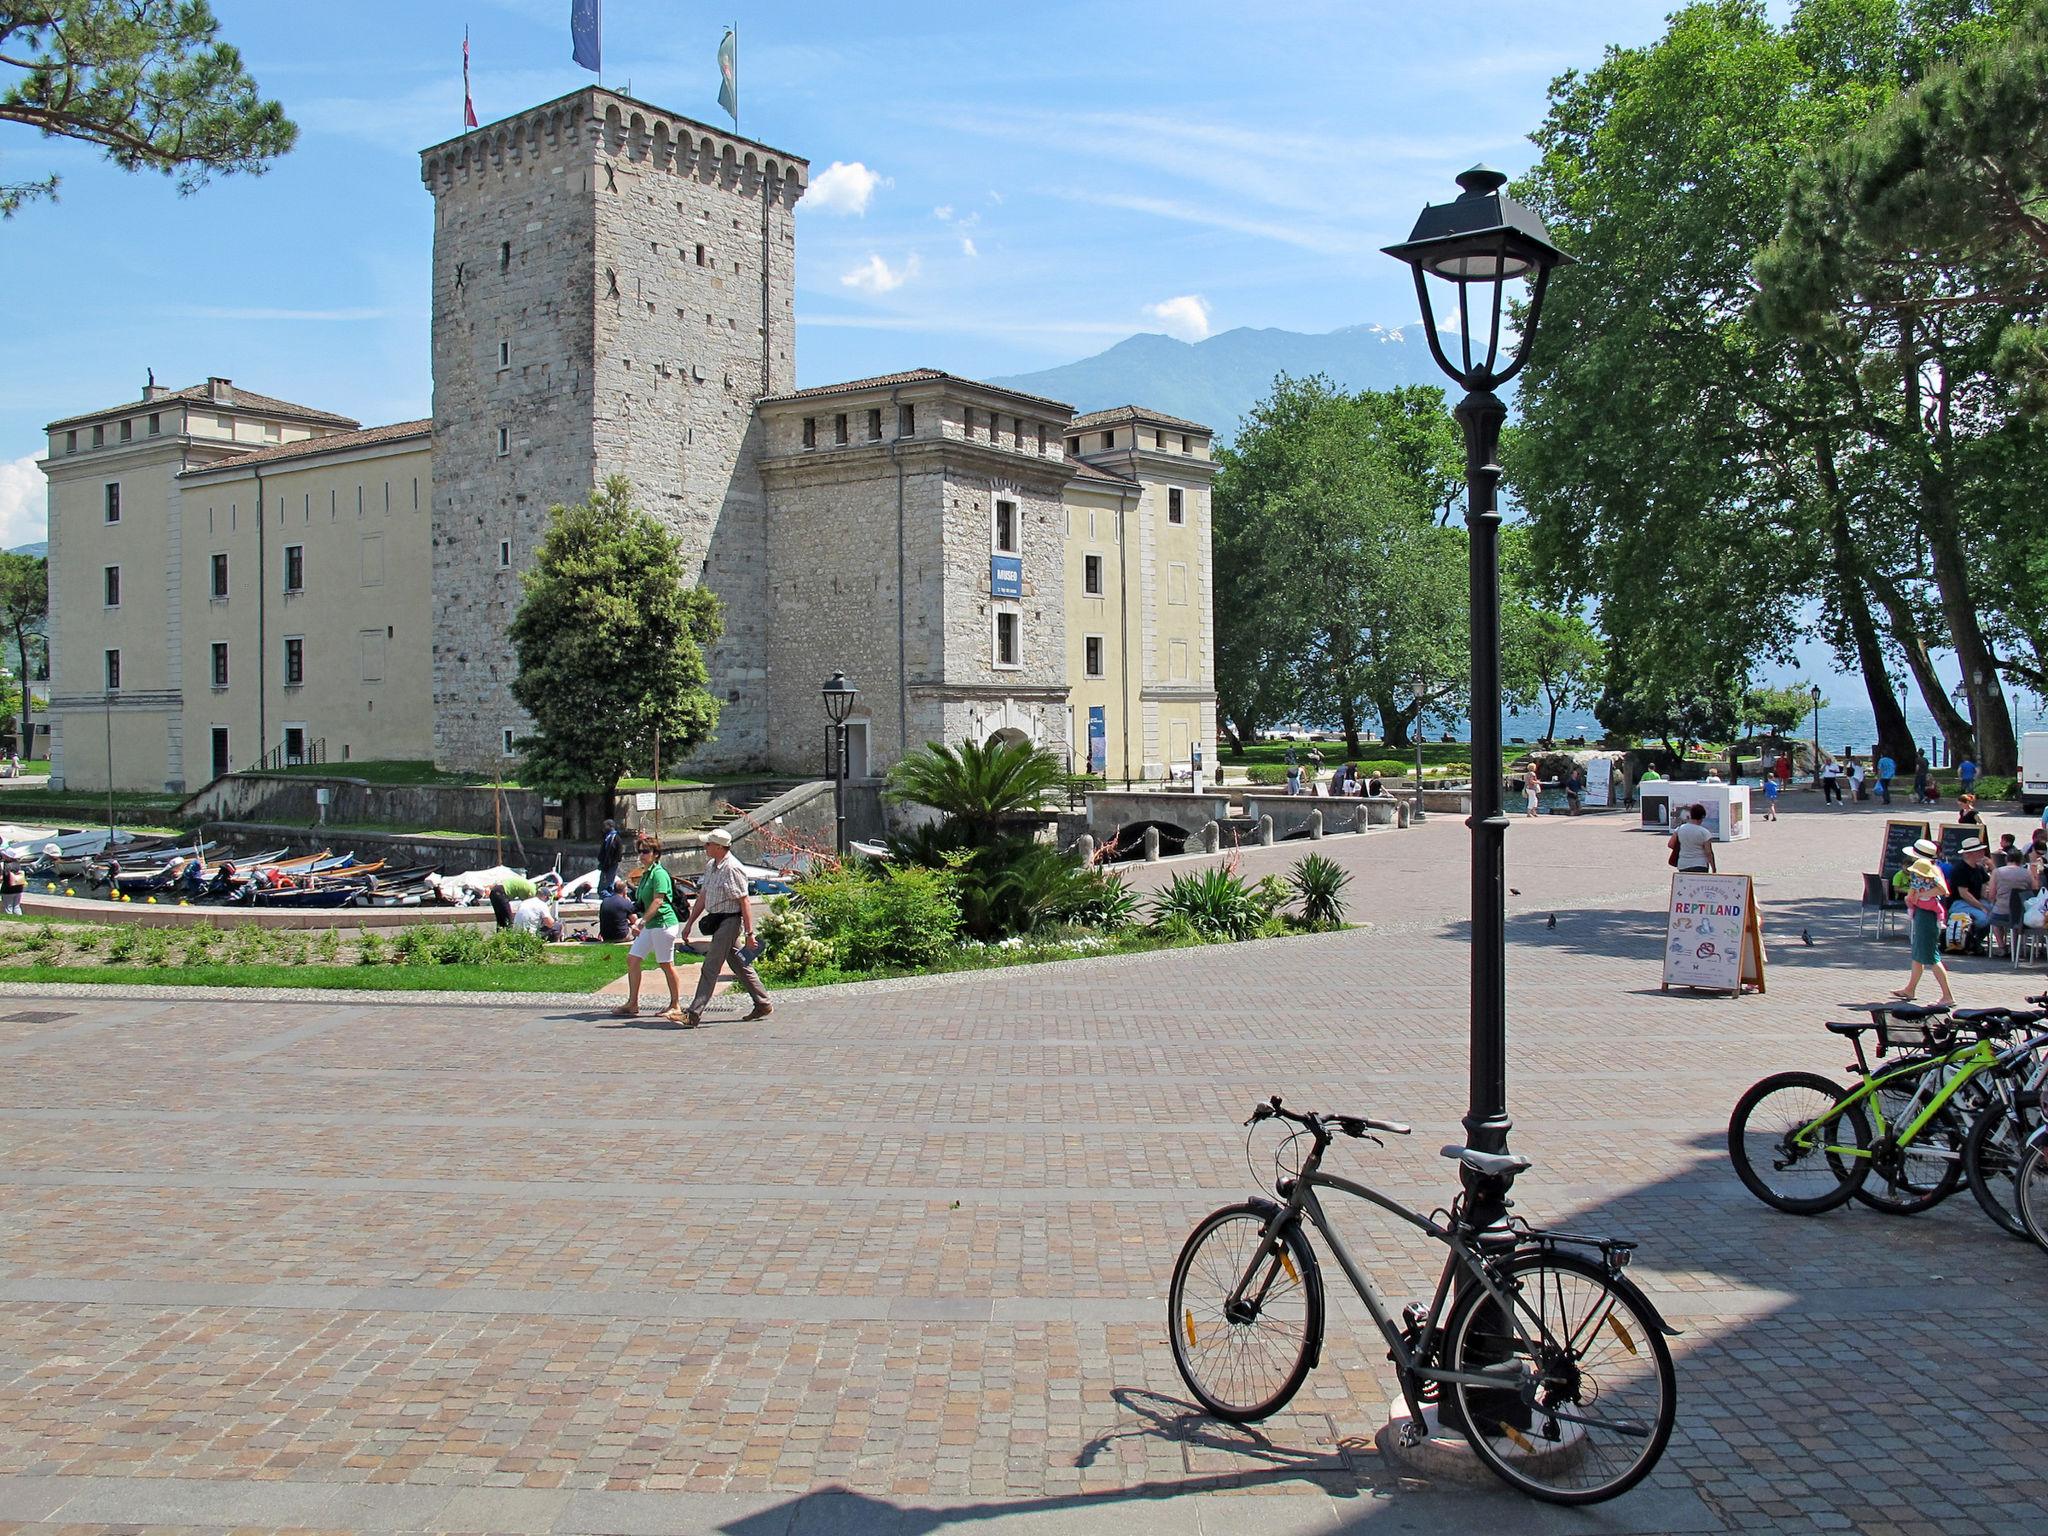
<point x="624" y="1012"/>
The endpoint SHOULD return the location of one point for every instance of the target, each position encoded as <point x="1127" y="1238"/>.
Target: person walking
<point x="611" y="853"/>
<point x="1887" y="770"/>
<point x="1781" y="770"/>
<point x="14" y="881"/>
<point x="1923" y="783"/>
<point x="1293" y="774"/>
<point x="1770" y="797"/>
<point x="1924" y="890"/>
<point x="1574" y="790"/>
<point x="654" y="933"/>
<point x="1692" y="845"/>
<point x="1966" y="775"/>
<point x="1831" y="783"/>
<point x="1532" y="790"/>
<point x="726" y="904"/>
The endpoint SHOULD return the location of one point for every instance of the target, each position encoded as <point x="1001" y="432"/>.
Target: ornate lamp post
<point x="839" y="696"/>
<point x="1816" y="733"/>
<point x="1479" y="243"/>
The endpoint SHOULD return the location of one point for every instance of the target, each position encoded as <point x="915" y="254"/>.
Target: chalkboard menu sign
<point x="1899" y="838"/>
<point x="1952" y="837"/>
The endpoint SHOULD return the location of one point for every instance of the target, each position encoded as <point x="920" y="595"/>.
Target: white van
<point x="2034" y="771"/>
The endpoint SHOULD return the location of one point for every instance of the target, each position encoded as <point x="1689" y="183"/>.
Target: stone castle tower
<point x="613" y="292"/>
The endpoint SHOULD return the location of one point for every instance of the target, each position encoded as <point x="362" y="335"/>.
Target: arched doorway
<point x="1007" y="736"/>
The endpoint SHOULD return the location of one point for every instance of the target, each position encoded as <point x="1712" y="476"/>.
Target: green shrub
<point x="464" y="945"/>
<point x="1995" y="787"/>
<point x="371" y="948"/>
<point x="289" y="948"/>
<point x="247" y="944"/>
<point x="512" y="947"/>
<point x="1216" y="904"/>
<point x="122" y="946"/>
<point x="327" y="948"/>
<point x="40" y="938"/>
<point x="153" y="947"/>
<point x="84" y="940"/>
<point x="417" y="946"/>
<point x="1265" y="773"/>
<point x="1100" y="899"/>
<point x="903" y="919"/>
<point x="1319" y="883"/>
<point x="789" y="945"/>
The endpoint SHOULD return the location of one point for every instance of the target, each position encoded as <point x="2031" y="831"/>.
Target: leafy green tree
<point x="24" y="605"/>
<point x="149" y="81"/>
<point x="982" y="789"/>
<point x="1778" y="710"/>
<point x="1336" y="588"/>
<point x="1552" y="656"/>
<point x="609" y="640"/>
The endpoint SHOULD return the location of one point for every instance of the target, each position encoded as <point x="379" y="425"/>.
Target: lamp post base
<point x="1429" y="1451"/>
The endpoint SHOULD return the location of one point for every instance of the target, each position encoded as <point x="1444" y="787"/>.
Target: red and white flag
<point x="468" y="106"/>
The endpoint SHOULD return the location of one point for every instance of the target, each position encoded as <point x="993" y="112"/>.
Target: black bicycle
<point x="1551" y="1359"/>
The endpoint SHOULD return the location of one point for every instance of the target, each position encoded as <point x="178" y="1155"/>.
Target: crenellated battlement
<point x="594" y="123"/>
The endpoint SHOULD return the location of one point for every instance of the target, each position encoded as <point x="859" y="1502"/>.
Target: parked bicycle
<point x="1803" y="1143"/>
<point x="1553" y="1362"/>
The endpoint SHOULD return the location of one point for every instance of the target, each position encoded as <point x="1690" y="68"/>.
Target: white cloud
<point x="24" y="504"/>
<point x="1185" y="316"/>
<point x="943" y="213"/>
<point x="843" y="187"/>
<point x="967" y="247"/>
<point x="876" y="275"/>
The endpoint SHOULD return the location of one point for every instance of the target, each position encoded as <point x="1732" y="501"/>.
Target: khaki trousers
<point x="724" y="954"/>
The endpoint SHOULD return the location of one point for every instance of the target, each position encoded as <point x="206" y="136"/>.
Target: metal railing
<point x="314" y="752"/>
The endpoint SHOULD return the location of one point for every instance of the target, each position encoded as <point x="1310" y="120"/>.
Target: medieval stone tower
<point x="613" y="292"/>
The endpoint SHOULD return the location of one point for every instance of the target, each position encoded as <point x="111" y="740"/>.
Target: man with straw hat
<point x="725" y="902"/>
<point x="1924" y="889"/>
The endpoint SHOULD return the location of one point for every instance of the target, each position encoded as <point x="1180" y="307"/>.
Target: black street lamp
<point x="1816" y="733"/>
<point x="839" y="696"/>
<point x="1421" y="685"/>
<point x="1478" y="243"/>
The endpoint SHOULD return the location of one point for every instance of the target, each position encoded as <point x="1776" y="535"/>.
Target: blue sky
<point x="1019" y="186"/>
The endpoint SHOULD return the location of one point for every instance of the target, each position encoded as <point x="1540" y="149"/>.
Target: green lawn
<point x="80" y="808"/>
<point x="408" y="772"/>
<point x="1274" y="753"/>
<point x="586" y="971"/>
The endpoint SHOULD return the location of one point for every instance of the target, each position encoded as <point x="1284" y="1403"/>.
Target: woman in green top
<point x="654" y="932"/>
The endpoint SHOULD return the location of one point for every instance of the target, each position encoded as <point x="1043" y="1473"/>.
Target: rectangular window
<point x="700" y="255"/>
<point x="113" y="499"/>
<point x="1017" y="432"/>
<point x="906" y="421"/>
<point x="1158" y="438"/>
<point x="504" y="447"/>
<point x="1174" y="513"/>
<point x="1108" y="441"/>
<point x="1092" y="654"/>
<point x="839" y="428"/>
<point x="1091" y="575"/>
<point x="295" y="567"/>
<point x="113" y="671"/>
<point x="1176" y="583"/>
<point x="505" y="554"/>
<point x="99" y="437"/>
<point x="156" y="423"/>
<point x="112" y="576"/>
<point x="1073" y="445"/>
<point x="370" y="654"/>
<point x="967" y="417"/>
<point x="1006" y="527"/>
<point x="505" y="747"/>
<point x="1041" y="439"/>
<point x="220" y="575"/>
<point x="220" y="750"/>
<point x="295" y="744"/>
<point x="220" y="663"/>
<point x="294" y="660"/>
<point x="1184" y="448"/>
<point x="71" y="442"/>
<point x="1009" y="650"/>
<point x="127" y="431"/>
<point x="810" y="431"/>
<point x="504" y="255"/>
<point x="504" y="354"/>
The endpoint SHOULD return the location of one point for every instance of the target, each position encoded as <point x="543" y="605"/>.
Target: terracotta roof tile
<point x="333" y="442"/>
<point x="243" y="400"/>
<point x="914" y="376"/>
<point x="1118" y="414"/>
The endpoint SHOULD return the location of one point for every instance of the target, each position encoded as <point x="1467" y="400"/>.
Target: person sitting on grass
<point x="532" y="916"/>
<point x="615" y="914"/>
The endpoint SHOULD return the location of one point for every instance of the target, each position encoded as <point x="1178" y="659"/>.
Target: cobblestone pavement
<point x="893" y="1261"/>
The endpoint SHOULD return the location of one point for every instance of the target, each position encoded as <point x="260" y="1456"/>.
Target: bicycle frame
<point x="1973" y="1060"/>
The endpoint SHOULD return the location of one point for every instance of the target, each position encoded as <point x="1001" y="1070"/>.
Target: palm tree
<point x="978" y="788"/>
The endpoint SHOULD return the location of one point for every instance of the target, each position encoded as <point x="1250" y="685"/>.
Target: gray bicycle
<point x="1551" y="1359"/>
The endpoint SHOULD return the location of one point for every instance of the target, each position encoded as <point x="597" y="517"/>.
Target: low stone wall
<point x="82" y="909"/>
<point x="1290" y="813"/>
<point x="1110" y="809"/>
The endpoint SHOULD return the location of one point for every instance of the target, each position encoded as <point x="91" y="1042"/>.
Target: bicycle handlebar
<point x="1320" y="1125"/>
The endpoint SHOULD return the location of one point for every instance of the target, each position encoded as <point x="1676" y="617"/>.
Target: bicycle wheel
<point x="2030" y="1188"/>
<point x="1906" y="1180"/>
<point x="1606" y="1394"/>
<point x="1991" y="1157"/>
<point x="1244" y="1364"/>
<point x="1783" y="1162"/>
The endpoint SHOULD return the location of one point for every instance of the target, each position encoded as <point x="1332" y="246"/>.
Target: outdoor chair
<point x="1878" y="906"/>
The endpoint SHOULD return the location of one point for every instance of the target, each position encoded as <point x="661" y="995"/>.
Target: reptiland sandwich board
<point x="1713" y="936"/>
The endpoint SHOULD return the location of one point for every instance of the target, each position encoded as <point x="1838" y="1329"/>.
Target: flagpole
<point x="735" y="77"/>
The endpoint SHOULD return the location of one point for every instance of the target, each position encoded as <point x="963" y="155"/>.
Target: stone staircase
<point x="726" y="809"/>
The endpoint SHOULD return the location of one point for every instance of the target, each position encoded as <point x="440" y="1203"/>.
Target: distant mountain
<point x="31" y="549"/>
<point x="1219" y="380"/>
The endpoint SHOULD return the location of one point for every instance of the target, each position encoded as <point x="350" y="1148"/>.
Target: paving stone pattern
<point x="893" y="1261"/>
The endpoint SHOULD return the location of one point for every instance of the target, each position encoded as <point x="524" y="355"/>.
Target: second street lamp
<point x="1478" y="243"/>
<point x="839" y="696"/>
<point x="1421" y="686"/>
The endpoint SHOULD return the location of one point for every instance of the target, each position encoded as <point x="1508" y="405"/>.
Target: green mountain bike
<point x="1804" y="1144"/>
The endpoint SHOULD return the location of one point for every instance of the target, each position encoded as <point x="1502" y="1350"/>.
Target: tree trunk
<point x="1550" y="730"/>
<point x="28" y="728"/>
<point x="1350" y="720"/>
<point x="1894" y="736"/>
<point x="1913" y="645"/>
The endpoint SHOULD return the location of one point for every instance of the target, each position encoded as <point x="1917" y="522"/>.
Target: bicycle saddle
<point x="1493" y="1164"/>
<point x="1981" y="1015"/>
<point x="1901" y="1010"/>
<point x="1851" y="1026"/>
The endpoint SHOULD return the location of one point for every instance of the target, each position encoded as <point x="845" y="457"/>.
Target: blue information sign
<point x="1098" y="739"/>
<point x="1005" y="576"/>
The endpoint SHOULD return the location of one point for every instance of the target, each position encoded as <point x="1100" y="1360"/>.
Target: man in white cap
<point x="726" y="904"/>
<point x="1969" y="881"/>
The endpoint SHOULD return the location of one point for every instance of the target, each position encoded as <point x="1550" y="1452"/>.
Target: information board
<point x="1899" y="838"/>
<point x="1600" y="781"/>
<point x="1005" y="576"/>
<point x="1713" y="938"/>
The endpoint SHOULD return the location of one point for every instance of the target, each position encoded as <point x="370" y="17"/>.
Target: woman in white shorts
<point x="655" y="931"/>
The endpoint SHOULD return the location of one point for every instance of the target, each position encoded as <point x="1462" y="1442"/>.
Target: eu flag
<point x="586" y="33"/>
